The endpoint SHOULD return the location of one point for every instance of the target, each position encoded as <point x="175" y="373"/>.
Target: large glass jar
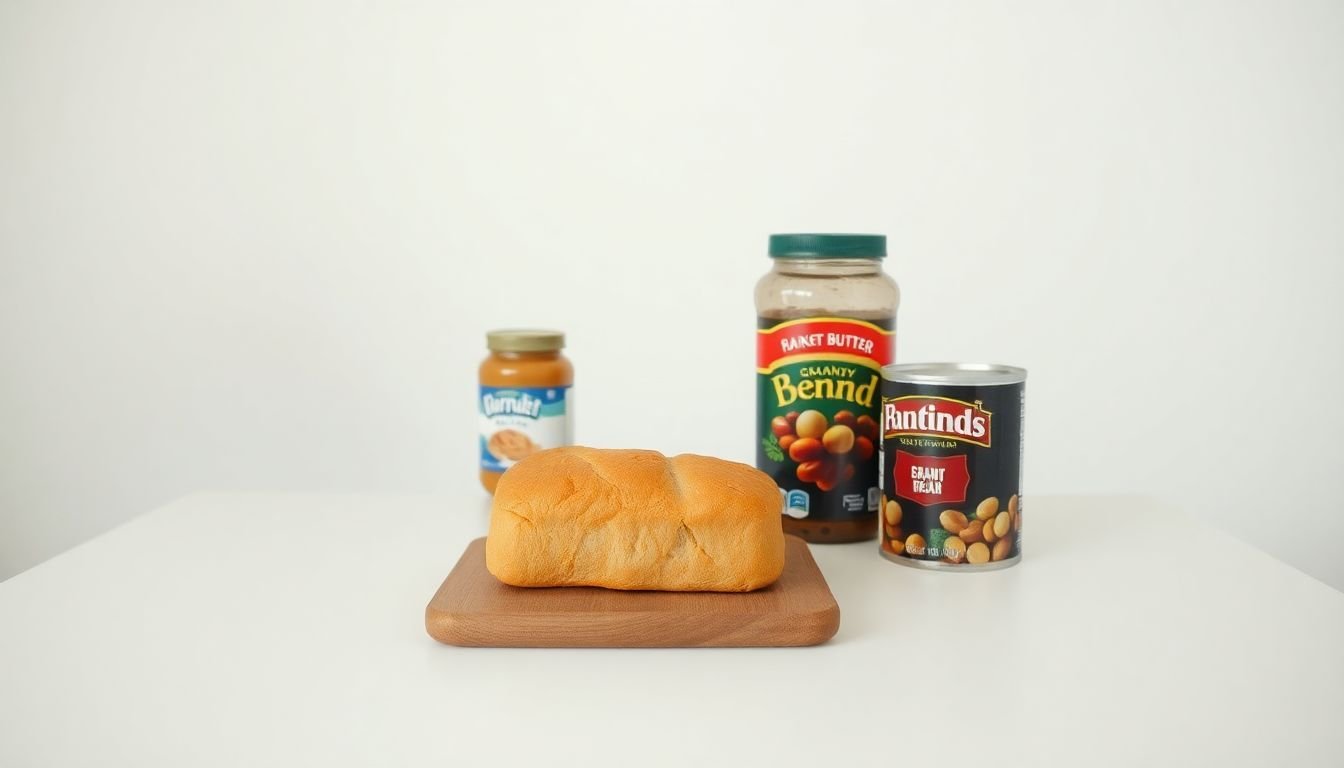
<point x="524" y="401"/>
<point x="826" y="324"/>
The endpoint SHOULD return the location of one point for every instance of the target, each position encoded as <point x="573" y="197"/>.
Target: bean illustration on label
<point x="952" y="465"/>
<point x="818" y="395"/>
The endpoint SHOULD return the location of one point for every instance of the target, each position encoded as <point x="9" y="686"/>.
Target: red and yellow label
<point x="818" y="392"/>
<point x="939" y="417"/>
<point x="835" y="339"/>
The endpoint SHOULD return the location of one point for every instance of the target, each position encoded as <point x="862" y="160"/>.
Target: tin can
<point x="952" y="465"/>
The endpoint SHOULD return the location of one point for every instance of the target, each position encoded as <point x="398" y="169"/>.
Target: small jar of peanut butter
<point x="525" y="398"/>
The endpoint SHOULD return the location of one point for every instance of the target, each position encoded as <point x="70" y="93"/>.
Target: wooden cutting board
<point x="473" y="608"/>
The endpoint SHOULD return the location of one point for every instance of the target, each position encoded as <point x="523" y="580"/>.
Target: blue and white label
<point x="797" y="504"/>
<point x="519" y="421"/>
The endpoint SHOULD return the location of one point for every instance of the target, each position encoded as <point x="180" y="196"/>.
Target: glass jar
<point x="525" y="400"/>
<point x="826" y="324"/>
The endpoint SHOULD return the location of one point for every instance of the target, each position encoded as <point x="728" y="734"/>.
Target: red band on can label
<point x="930" y="480"/>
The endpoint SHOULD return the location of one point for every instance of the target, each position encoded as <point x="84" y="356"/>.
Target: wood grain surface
<point x="472" y="608"/>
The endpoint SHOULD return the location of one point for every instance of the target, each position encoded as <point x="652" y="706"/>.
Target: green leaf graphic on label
<point x="772" y="448"/>
<point x="936" y="539"/>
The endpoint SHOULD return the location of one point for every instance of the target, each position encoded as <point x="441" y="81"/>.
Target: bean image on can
<point x="951" y="458"/>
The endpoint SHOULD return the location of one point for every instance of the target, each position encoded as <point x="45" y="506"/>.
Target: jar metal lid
<point x="966" y="374"/>
<point x="828" y="246"/>
<point x="524" y="340"/>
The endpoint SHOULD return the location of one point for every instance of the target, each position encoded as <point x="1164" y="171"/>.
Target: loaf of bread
<point x="620" y="519"/>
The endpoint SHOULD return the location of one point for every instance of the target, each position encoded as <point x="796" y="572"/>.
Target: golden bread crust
<point x="630" y="519"/>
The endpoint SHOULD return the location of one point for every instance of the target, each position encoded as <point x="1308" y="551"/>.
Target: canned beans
<point x="952" y="465"/>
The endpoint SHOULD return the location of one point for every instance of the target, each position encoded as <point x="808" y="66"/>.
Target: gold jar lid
<point x="524" y="340"/>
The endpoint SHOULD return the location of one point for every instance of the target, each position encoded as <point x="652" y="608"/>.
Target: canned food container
<point x="951" y="460"/>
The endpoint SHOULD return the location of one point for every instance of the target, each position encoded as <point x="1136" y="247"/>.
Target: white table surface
<point x="288" y="630"/>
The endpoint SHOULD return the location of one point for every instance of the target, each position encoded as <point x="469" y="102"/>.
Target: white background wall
<point x="255" y="244"/>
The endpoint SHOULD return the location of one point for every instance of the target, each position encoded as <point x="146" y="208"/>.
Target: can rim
<point x="954" y="373"/>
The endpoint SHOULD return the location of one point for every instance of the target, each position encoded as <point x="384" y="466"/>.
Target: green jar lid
<point x="524" y="340"/>
<point x="828" y="246"/>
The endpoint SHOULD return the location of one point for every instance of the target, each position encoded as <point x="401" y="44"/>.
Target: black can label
<point x="818" y="389"/>
<point x="952" y="472"/>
